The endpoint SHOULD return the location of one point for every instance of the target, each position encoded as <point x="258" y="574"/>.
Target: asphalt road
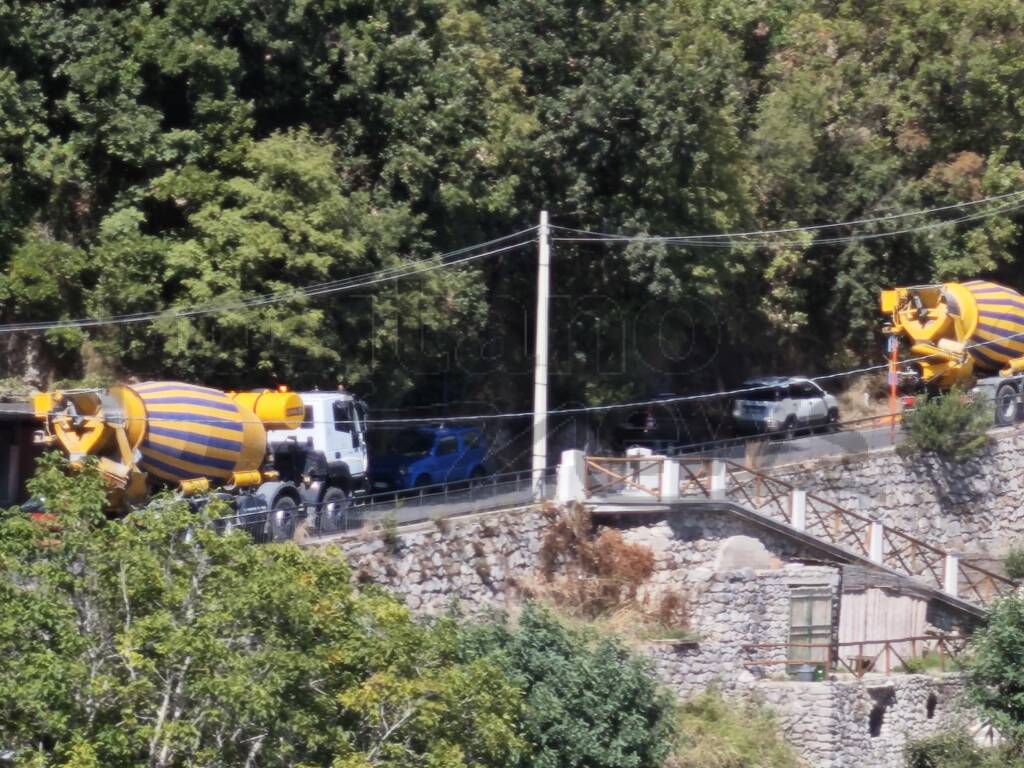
<point x="815" y="446"/>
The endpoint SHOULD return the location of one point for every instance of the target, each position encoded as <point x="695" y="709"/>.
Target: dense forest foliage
<point x="172" y="153"/>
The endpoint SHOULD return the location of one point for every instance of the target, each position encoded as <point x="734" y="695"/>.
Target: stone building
<point x="761" y="603"/>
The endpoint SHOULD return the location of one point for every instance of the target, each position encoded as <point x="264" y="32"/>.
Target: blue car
<point x="429" y="456"/>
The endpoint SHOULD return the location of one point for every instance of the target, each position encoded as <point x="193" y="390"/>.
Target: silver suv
<point x="783" y="405"/>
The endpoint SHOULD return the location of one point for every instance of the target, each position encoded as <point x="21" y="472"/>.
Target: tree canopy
<point x="156" y="641"/>
<point x="168" y="154"/>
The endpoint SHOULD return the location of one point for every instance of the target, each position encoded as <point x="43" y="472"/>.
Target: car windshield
<point x="412" y="443"/>
<point x="764" y="395"/>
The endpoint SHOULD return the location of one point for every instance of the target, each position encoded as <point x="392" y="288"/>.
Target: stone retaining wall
<point x="975" y="509"/>
<point x="481" y="561"/>
<point x="832" y="721"/>
<point x="471" y="561"/>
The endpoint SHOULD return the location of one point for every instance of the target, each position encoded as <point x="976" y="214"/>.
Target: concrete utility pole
<point x="540" y="368"/>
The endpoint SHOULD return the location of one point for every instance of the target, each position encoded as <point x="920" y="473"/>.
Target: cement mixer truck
<point x="268" y="454"/>
<point x="967" y="334"/>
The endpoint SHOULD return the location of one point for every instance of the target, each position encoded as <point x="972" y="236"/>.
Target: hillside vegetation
<point x="156" y="641"/>
<point x="181" y="152"/>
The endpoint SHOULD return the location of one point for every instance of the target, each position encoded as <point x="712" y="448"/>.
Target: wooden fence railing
<point x="864" y="656"/>
<point x="645" y="477"/>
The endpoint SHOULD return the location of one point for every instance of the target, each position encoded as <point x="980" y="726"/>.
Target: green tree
<point x="155" y="641"/>
<point x="589" y="701"/>
<point x="995" y="669"/>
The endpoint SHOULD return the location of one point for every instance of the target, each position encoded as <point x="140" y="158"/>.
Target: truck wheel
<point x="1006" y="405"/>
<point x="334" y="509"/>
<point x="282" y="518"/>
<point x="789" y="428"/>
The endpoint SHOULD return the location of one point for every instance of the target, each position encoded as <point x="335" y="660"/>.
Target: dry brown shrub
<point x="611" y="557"/>
<point x="563" y="539"/>
<point x="589" y="575"/>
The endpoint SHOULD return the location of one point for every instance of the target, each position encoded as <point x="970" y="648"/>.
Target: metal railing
<point x="779" y="435"/>
<point x="424" y="503"/>
<point x="431" y="502"/>
<point x="256" y="524"/>
<point x="871" y="656"/>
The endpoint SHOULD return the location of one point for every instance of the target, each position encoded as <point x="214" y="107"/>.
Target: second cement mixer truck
<point x="269" y="454"/>
<point x="968" y="334"/>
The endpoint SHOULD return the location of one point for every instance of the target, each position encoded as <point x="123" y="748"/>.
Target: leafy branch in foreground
<point x="156" y="641"/>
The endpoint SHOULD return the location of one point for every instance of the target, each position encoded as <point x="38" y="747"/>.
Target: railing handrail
<point x="849" y="529"/>
<point x="944" y="647"/>
<point x="856" y="643"/>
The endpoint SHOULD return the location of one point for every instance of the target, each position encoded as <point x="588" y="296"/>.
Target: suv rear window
<point x="764" y="395"/>
<point x="803" y="390"/>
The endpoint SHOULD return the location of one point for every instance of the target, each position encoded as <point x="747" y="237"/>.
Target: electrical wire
<point x="591" y="408"/>
<point x="790" y="230"/>
<point x="407" y="269"/>
<point x="738" y="243"/>
<point x="554" y="412"/>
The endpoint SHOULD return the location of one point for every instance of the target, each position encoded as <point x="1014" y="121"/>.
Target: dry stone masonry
<point x="976" y="509"/>
<point x="736" y="580"/>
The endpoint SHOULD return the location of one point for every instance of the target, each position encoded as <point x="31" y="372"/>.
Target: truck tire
<point x="282" y="518"/>
<point x="789" y="428"/>
<point x="334" y="510"/>
<point x="1007" y="405"/>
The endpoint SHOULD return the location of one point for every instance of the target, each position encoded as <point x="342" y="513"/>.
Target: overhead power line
<point x="407" y="269"/>
<point x="584" y="409"/>
<point x="1012" y="201"/>
<point x="704" y="396"/>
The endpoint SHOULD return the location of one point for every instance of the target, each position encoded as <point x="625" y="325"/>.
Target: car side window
<point x="471" y="439"/>
<point x="802" y="391"/>
<point x="447" y="445"/>
<point x="342" y="418"/>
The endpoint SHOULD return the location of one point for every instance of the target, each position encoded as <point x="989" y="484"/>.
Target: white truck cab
<point x="325" y="456"/>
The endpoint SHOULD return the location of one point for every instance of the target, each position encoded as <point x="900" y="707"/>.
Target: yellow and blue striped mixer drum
<point x="994" y="325"/>
<point x="184" y="431"/>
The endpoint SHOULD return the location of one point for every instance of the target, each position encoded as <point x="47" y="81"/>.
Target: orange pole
<point x="894" y="352"/>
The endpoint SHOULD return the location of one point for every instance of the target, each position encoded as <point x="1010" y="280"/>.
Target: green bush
<point x="589" y="701"/>
<point x="1013" y="564"/>
<point x="958" y="750"/>
<point x="953" y="427"/>
<point x="714" y="733"/>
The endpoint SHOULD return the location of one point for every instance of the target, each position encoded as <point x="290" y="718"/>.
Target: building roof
<point x="16" y="410"/>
